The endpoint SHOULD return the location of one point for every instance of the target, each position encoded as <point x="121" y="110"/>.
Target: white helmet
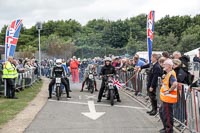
<point x="58" y="62"/>
<point x="108" y="59"/>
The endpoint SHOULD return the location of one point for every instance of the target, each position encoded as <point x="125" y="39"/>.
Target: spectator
<point x="168" y="96"/>
<point x="165" y="54"/>
<point x="196" y="59"/>
<point x="138" y="62"/>
<point x="20" y="70"/>
<point x="74" y="69"/>
<point x="176" y="55"/>
<point x="27" y="66"/>
<point x="155" y="72"/>
<point x="9" y="74"/>
<point x="184" y="60"/>
<point x="180" y="73"/>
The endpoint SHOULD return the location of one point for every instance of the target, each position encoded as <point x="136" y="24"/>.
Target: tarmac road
<point x="82" y="114"/>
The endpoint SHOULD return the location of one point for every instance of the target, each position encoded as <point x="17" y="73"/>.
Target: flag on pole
<point x="12" y="35"/>
<point x="150" y="32"/>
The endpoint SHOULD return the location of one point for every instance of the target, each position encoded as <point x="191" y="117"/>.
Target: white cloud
<point x="32" y="11"/>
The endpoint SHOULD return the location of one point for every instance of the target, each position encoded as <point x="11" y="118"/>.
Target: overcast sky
<point x="32" y="11"/>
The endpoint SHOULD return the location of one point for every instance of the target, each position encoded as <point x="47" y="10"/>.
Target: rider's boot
<point x="67" y="92"/>
<point x="95" y="86"/>
<point x="118" y="98"/>
<point x="49" y="95"/>
<point x="82" y="86"/>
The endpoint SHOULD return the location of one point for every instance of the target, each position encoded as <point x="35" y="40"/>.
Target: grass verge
<point x="9" y="108"/>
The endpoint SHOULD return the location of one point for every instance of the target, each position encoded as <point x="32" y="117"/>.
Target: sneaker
<point x="81" y="90"/>
<point x="70" y="90"/>
<point x="49" y="97"/>
<point x="96" y="90"/>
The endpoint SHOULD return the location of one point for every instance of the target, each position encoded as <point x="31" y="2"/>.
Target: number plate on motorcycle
<point x="110" y="84"/>
<point x="58" y="80"/>
<point x="90" y="76"/>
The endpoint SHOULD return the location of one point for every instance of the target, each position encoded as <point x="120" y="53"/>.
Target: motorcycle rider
<point x="58" y="71"/>
<point x="89" y="68"/>
<point x="107" y="69"/>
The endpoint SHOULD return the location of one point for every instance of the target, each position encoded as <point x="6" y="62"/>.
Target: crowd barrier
<point x="186" y="110"/>
<point x="24" y="79"/>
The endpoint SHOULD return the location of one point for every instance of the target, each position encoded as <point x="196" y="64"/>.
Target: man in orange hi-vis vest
<point x="74" y="69"/>
<point x="168" y="96"/>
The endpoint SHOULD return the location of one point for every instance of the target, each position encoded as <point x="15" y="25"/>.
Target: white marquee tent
<point x="192" y="53"/>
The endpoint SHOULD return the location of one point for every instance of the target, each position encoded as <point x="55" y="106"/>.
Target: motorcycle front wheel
<point x="58" y="92"/>
<point x="112" y="97"/>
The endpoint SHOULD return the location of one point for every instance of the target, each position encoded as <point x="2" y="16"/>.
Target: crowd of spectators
<point x="27" y="70"/>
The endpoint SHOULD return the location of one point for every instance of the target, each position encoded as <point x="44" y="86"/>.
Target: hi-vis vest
<point x="172" y="96"/>
<point x="9" y="70"/>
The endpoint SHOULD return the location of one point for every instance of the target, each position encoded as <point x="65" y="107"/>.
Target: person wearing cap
<point x="74" y="64"/>
<point x="58" y="71"/>
<point x="168" y="96"/>
<point x="107" y="69"/>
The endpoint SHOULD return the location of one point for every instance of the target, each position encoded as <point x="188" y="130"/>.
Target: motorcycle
<point x="90" y="81"/>
<point x="109" y="91"/>
<point x="58" y="88"/>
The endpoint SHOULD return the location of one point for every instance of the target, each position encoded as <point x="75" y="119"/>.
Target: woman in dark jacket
<point x="181" y="75"/>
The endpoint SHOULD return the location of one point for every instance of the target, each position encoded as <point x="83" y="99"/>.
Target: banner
<point x="12" y="35"/>
<point x="150" y="32"/>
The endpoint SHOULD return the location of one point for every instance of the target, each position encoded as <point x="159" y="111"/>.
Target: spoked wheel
<point x="112" y="97"/>
<point x="58" y="93"/>
<point x="91" y="87"/>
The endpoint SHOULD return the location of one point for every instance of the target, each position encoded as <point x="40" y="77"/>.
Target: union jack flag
<point x="116" y="83"/>
<point x="150" y="31"/>
<point x="12" y="35"/>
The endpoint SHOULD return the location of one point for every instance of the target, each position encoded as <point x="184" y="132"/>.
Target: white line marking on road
<point x="80" y="97"/>
<point x="93" y="114"/>
<point x="104" y="105"/>
<point x="90" y="97"/>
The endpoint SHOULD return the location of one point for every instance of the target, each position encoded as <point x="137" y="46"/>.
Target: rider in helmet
<point x="58" y="71"/>
<point x="107" y="69"/>
<point x="86" y="76"/>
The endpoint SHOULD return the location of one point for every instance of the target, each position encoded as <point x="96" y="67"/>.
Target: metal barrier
<point x="186" y="110"/>
<point x="25" y="79"/>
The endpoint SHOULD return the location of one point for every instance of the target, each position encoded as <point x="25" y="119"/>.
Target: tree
<point x="131" y="46"/>
<point x="59" y="48"/>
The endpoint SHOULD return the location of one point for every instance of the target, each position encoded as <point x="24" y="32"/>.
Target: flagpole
<point x="39" y="51"/>
<point x="39" y="27"/>
<point x="147" y="37"/>
<point x="5" y="55"/>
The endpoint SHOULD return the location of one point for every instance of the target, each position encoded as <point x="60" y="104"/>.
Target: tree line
<point x="98" y="36"/>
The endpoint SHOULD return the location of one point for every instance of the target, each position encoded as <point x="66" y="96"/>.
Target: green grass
<point x="10" y="107"/>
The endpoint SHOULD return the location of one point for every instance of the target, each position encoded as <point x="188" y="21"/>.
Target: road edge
<point x="26" y="116"/>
